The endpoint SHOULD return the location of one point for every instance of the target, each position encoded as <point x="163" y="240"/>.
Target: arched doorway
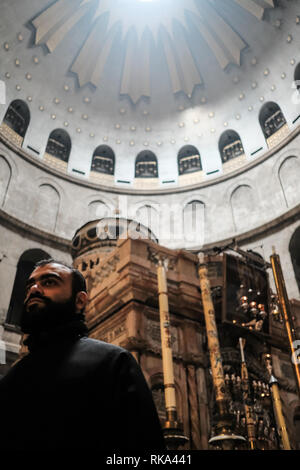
<point x="24" y="267"/>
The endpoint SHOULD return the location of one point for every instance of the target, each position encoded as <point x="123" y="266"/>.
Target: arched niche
<point x="193" y="223"/>
<point x="189" y="160"/>
<point x="16" y="121"/>
<point x="98" y="210"/>
<point x="243" y="205"/>
<point x="149" y="217"/>
<point x="58" y="149"/>
<point x="288" y="174"/>
<point x="230" y="145"/>
<point x="158" y="394"/>
<point x="103" y="160"/>
<point x="272" y="121"/>
<point x="5" y="175"/>
<point x="47" y="207"/>
<point x="146" y="165"/>
<point x="294" y="249"/>
<point x="24" y="268"/>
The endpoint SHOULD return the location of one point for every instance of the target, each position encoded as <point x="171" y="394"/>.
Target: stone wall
<point x="257" y="205"/>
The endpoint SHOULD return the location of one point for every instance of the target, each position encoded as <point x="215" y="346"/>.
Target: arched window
<point x="24" y="268"/>
<point x="297" y="76"/>
<point x="230" y="146"/>
<point x="294" y="249"/>
<point x="189" y="160"/>
<point x="17" y="119"/>
<point x="103" y="160"/>
<point x="59" y="145"/>
<point x="271" y="119"/>
<point x="146" y="165"/>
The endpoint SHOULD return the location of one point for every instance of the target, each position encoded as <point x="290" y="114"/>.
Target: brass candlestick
<point x="246" y="392"/>
<point x="173" y="429"/>
<point x="286" y="313"/>
<point x="277" y="406"/>
<point x="225" y="436"/>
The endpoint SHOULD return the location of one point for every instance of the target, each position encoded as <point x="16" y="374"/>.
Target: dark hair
<point x="78" y="281"/>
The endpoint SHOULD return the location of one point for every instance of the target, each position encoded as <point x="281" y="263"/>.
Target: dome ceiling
<point x="138" y="24"/>
<point x="154" y="75"/>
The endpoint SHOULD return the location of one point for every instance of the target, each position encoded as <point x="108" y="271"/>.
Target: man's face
<point x="52" y="281"/>
<point x="49" y="299"/>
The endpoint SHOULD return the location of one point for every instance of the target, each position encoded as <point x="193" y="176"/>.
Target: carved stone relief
<point x="154" y="337"/>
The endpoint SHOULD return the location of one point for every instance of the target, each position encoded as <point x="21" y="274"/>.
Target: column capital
<point x="161" y="259"/>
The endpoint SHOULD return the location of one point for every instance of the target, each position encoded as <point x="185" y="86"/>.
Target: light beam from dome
<point x="135" y="18"/>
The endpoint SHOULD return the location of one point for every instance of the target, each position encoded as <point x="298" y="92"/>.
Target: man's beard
<point x="45" y="317"/>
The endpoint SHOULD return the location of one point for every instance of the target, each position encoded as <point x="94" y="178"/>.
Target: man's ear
<point x="81" y="301"/>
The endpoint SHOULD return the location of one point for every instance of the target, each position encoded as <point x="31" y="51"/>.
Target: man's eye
<point x="48" y="282"/>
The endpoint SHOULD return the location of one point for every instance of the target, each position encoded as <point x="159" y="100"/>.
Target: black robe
<point x="78" y="393"/>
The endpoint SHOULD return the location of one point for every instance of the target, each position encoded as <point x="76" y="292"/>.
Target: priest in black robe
<point x="71" y="391"/>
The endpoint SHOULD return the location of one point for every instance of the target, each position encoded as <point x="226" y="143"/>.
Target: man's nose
<point x="34" y="288"/>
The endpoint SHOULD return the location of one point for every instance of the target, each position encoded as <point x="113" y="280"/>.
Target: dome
<point x="172" y="121"/>
<point x="181" y="116"/>
<point x="101" y="83"/>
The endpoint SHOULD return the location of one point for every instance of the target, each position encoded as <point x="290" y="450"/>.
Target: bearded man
<point x="71" y="391"/>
